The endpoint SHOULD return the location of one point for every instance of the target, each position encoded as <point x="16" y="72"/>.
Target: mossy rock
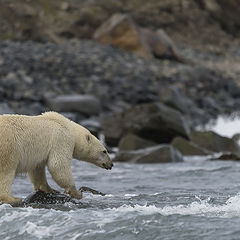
<point x="214" y="142"/>
<point x="188" y="148"/>
<point x="134" y="142"/>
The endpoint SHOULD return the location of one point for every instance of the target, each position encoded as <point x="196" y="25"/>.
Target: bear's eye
<point x="105" y="151"/>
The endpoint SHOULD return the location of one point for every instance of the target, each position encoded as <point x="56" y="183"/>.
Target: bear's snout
<point x="108" y="166"/>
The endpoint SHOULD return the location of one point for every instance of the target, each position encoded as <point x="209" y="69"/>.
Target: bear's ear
<point x="88" y="137"/>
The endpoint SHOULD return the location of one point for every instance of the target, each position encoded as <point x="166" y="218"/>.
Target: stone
<point x="133" y="142"/>
<point x="188" y="148"/>
<point x="236" y="138"/>
<point x="227" y="156"/>
<point x="41" y="197"/>
<point x="155" y="154"/>
<point x="121" y="31"/>
<point x="161" y="45"/>
<point x="214" y="142"/>
<point x="5" y="109"/>
<point x="86" y="104"/>
<point x="153" y="121"/>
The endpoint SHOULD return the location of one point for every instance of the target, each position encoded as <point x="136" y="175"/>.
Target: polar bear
<point x="30" y="143"/>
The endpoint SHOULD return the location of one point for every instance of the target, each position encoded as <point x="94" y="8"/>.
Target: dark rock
<point x="41" y="197"/>
<point x="133" y="142"/>
<point x="155" y="122"/>
<point x="156" y="154"/>
<point x="85" y="104"/>
<point x="92" y="125"/>
<point x="5" y="109"/>
<point x="113" y="128"/>
<point x="214" y="142"/>
<point x="228" y="156"/>
<point x="188" y="148"/>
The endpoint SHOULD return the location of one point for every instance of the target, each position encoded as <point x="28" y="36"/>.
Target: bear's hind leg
<point x="6" y="180"/>
<point x="39" y="180"/>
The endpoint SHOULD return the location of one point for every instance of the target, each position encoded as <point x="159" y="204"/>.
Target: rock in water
<point x="188" y="148"/>
<point x="154" y="121"/>
<point x="41" y="197"/>
<point x="214" y="142"/>
<point x="156" y="154"/>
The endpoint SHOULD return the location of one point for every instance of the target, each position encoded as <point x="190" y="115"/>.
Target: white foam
<point x="35" y="230"/>
<point x="201" y="208"/>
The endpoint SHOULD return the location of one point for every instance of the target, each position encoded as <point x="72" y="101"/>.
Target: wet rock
<point x="121" y="31"/>
<point x="188" y="148"/>
<point x="133" y="142"/>
<point x="214" y="142"/>
<point x="85" y="104"/>
<point x="228" y="156"/>
<point x="236" y="138"/>
<point x="156" y="154"/>
<point x="155" y="122"/>
<point x="41" y="197"/>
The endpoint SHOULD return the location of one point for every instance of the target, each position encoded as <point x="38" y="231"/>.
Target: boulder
<point x="41" y="197"/>
<point x="133" y="142"/>
<point x="228" y="156"/>
<point x="156" y="154"/>
<point x="172" y="97"/>
<point x="113" y="128"/>
<point x="5" y="109"/>
<point x="85" y="104"/>
<point x="236" y="138"/>
<point x="161" y="45"/>
<point x="214" y="142"/>
<point x="153" y="121"/>
<point x="121" y="31"/>
<point x="188" y="148"/>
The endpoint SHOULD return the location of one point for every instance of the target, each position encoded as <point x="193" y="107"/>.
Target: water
<point x="197" y="199"/>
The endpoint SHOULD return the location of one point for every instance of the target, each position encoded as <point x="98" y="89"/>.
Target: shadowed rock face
<point x="155" y="122"/>
<point x="156" y="154"/>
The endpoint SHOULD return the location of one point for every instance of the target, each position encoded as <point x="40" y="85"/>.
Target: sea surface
<point x="196" y="199"/>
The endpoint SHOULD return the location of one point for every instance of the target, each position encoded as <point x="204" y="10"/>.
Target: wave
<point x="231" y="208"/>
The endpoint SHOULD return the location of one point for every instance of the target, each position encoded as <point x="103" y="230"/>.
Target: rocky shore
<point x="147" y="106"/>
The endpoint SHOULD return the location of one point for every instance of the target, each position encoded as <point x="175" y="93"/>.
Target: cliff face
<point x="192" y="22"/>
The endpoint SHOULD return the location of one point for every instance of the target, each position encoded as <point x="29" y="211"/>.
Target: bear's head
<point x="90" y="149"/>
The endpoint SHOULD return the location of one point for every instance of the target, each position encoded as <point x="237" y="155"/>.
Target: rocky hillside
<point x="175" y="68"/>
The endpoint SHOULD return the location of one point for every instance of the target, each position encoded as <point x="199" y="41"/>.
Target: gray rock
<point x="155" y="122"/>
<point x="156" y="154"/>
<point x="133" y="142"/>
<point x="214" y="142"/>
<point x="85" y="104"/>
<point x="5" y="109"/>
<point x="188" y="148"/>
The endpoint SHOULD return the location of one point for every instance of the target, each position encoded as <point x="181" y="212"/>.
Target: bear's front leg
<point x="60" y="169"/>
<point x="6" y="179"/>
<point x="39" y="180"/>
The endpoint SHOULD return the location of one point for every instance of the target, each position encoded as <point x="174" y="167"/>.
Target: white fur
<point x="29" y="143"/>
